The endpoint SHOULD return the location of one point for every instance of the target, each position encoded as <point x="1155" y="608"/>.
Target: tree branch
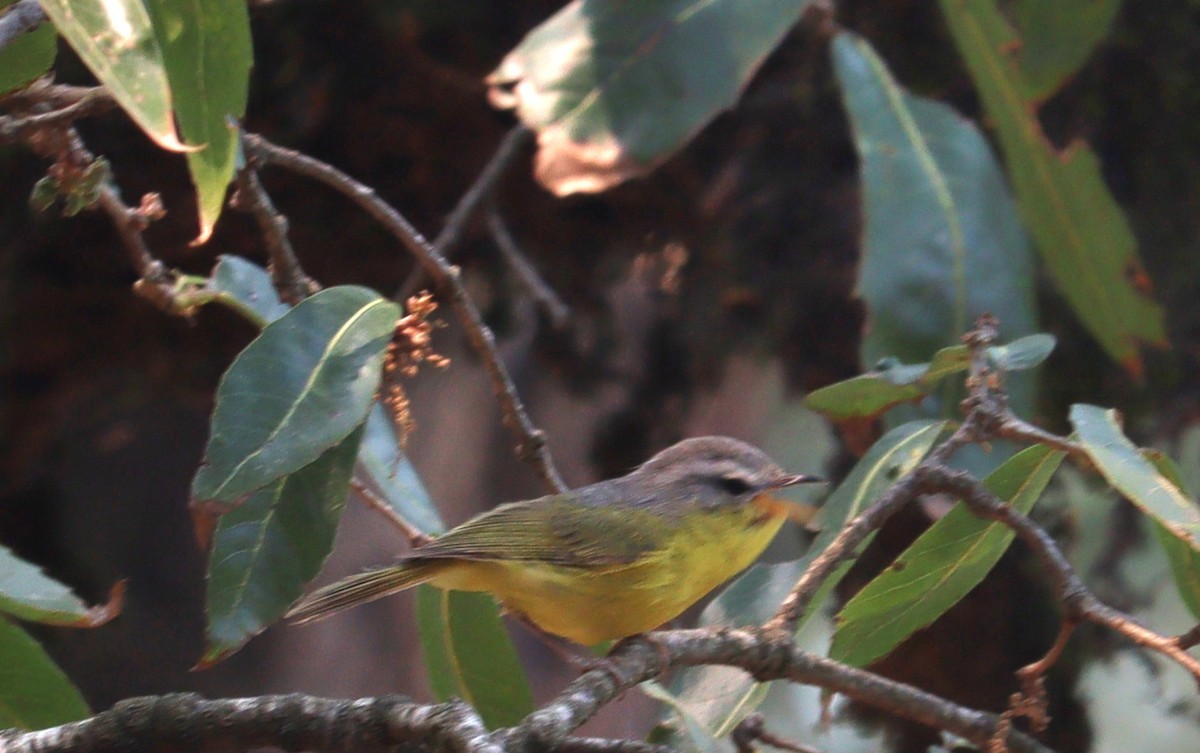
<point x="765" y="654"/>
<point x="531" y="444"/>
<point x="451" y="233"/>
<point x="290" y="722"/>
<point x="287" y="275"/>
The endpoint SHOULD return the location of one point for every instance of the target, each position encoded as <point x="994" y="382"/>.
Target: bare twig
<point x="287" y="275"/>
<point x="1189" y="639"/>
<point x="414" y="536"/>
<point x="20" y="18"/>
<point x="470" y="202"/>
<point x="543" y="295"/>
<point x="753" y="729"/>
<point x="91" y="101"/>
<point x="531" y="441"/>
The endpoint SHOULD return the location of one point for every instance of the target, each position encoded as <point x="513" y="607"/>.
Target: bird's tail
<point x="361" y="588"/>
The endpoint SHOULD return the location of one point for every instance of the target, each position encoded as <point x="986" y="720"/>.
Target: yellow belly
<point x="590" y="605"/>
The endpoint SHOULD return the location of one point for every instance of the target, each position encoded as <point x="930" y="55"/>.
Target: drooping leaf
<point x="207" y="53"/>
<point x="34" y="692"/>
<point x="246" y="288"/>
<point x="1078" y="227"/>
<point x="26" y="57"/>
<point x="115" y="39"/>
<point x="392" y="476"/>
<point x="469" y="655"/>
<point x="1057" y="38"/>
<point x="28" y="593"/>
<point x="943" y="242"/>
<point x="267" y="550"/>
<point x="940" y="567"/>
<point x="614" y="88"/>
<point x="721" y="698"/>
<point x="1183" y="560"/>
<point x="1130" y="473"/>
<point x="301" y="387"/>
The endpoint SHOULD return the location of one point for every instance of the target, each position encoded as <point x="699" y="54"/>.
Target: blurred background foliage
<point x="105" y="401"/>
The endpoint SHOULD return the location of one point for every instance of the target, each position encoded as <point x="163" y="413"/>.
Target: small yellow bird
<point x="608" y="560"/>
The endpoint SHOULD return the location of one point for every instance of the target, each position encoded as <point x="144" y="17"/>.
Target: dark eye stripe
<point x="734" y="485"/>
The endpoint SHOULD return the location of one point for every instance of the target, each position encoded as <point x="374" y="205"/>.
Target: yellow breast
<point x="591" y="605"/>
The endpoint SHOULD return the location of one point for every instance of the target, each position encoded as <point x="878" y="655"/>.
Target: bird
<point x="606" y="561"/>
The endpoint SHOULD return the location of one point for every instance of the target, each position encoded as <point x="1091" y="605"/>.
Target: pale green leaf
<point x="26" y="57"/>
<point x="940" y="567"/>
<point x="28" y="593"/>
<point x="1078" y="227"/>
<point x="1130" y="473"/>
<point x="115" y="39"/>
<point x="469" y="655"/>
<point x="34" y="692"/>
<point x="207" y="52"/>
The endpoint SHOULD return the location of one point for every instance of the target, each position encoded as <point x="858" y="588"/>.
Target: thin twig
<point x="93" y="102"/>
<point x="20" y="18"/>
<point x="470" y="202"/>
<point x="287" y="275"/>
<point x="1189" y="639"/>
<point x="155" y="282"/>
<point x="531" y="441"/>
<point x="754" y="729"/>
<point x="543" y="295"/>
<point x="415" y="537"/>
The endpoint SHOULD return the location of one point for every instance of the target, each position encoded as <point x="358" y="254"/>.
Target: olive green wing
<point x="557" y="530"/>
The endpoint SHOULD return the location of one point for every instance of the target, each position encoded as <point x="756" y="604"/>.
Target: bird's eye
<point x="734" y="485"/>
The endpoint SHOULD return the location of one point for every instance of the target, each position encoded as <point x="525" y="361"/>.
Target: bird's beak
<point x="797" y="478"/>
<point x="798" y="512"/>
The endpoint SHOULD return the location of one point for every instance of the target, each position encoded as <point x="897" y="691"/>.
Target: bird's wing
<point x="557" y="530"/>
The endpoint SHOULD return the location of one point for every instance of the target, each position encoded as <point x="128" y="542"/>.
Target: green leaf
<point x="246" y="288"/>
<point x="114" y="38"/>
<point x="392" y="476"/>
<point x="26" y="57"/>
<point x="34" y="692"/>
<point x="298" y="389"/>
<point x="940" y="567"/>
<point x="1082" y="234"/>
<point x="1022" y="354"/>
<point x="1131" y="474"/>
<point x="1184" y="561"/>
<point x="868" y="395"/>
<point x="266" y="550"/>
<point x="721" y="699"/>
<point x="614" y="88"/>
<point x="1057" y="38"/>
<point x="469" y="655"/>
<point x="28" y="593"/>
<point x="943" y="242"/>
<point x="207" y="52"/>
